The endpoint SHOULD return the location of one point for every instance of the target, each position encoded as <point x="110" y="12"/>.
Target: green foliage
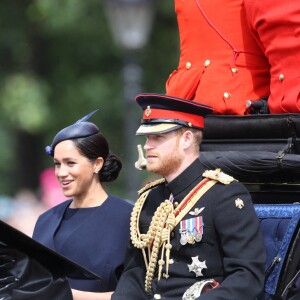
<point x="58" y="62"/>
<point x="7" y="159"/>
<point x="24" y="102"/>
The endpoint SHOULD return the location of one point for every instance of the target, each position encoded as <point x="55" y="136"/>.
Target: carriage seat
<point x="280" y="227"/>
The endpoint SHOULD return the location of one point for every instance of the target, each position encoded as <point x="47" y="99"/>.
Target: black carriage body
<point x="263" y="152"/>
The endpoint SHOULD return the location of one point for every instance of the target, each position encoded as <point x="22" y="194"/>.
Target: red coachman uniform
<point x="276" y="27"/>
<point x="220" y="63"/>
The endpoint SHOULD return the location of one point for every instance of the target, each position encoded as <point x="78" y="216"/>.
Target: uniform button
<point x="157" y="296"/>
<point x="234" y="70"/>
<point x="281" y="77"/>
<point x="227" y="95"/>
<point x="188" y="65"/>
<point x="172" y="234"/>
<point x="206" y="63"/>
<point x="175" y="204"/>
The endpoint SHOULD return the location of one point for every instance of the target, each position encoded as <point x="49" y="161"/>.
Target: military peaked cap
<point x="163" y="113"/>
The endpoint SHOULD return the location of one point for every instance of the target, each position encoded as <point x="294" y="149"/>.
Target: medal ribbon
<point x="191" y="225"/>
<point x="171" y="198"/>
<point x="199" y="224"/>
<point x="183" y="226"/>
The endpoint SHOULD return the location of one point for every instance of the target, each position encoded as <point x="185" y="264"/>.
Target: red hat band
<point x="193" y="120"/>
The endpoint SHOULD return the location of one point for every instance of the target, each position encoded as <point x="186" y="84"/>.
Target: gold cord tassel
<point x="161" y="226"/>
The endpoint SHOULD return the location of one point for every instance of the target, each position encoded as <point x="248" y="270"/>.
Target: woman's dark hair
<point x="95" y="146"/>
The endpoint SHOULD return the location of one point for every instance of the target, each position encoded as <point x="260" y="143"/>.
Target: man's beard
<point x="167" y="165"/>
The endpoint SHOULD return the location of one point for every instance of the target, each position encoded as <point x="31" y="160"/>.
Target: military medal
<point x="198" y="237"/>
<point x="191" y="231"/>
<point x="191" y="238"/>
<point x="183" y="238"/>
<point x="183" y="232"/>
<point x="199" y="228"/>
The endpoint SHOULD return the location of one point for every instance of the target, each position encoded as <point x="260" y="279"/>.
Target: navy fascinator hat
<point x="78" y="130"/>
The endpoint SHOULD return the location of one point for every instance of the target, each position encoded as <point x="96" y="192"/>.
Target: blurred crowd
<point x="22" y="210"/>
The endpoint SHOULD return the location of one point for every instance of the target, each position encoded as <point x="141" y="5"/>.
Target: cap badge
<point x="148" y="111"/>
<point x="239" y="203"/>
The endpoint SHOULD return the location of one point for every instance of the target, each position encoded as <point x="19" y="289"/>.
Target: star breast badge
<point x="197" y="266"/>
<point x="239" y="203"/>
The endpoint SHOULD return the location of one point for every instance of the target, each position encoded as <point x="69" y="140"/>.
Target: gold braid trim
<point x="218" y="175"/>
<point x="156" y="235"/>
<point x="151" y="185"/>
<point x="162" y="223"/>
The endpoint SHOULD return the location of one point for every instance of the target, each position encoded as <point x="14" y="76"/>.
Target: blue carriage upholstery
<point x="280" y="226"/>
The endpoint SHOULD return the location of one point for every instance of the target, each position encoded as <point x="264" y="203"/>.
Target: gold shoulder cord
<point x="151" y="185"/>
<point x="163" y="222"/>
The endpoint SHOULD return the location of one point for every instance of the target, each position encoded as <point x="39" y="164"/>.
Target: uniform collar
<point x="183" y="183"/>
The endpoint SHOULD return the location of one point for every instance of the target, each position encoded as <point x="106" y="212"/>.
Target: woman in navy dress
<point x="91" y="227"/>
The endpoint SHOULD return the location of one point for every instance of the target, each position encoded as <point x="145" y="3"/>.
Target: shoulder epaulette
<point x="151" y="185"/>
<point x="218" y="175"/>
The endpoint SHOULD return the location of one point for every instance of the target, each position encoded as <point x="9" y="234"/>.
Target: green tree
<point x="58" y="62"/>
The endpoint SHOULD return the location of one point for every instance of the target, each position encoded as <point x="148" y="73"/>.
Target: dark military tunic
<point x="231" y="248"/>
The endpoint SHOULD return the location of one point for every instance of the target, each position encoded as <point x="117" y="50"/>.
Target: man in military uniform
<point x="194" y="233"/>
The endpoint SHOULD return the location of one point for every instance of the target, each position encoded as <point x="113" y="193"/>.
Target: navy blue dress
<point x="96" y="238"/>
